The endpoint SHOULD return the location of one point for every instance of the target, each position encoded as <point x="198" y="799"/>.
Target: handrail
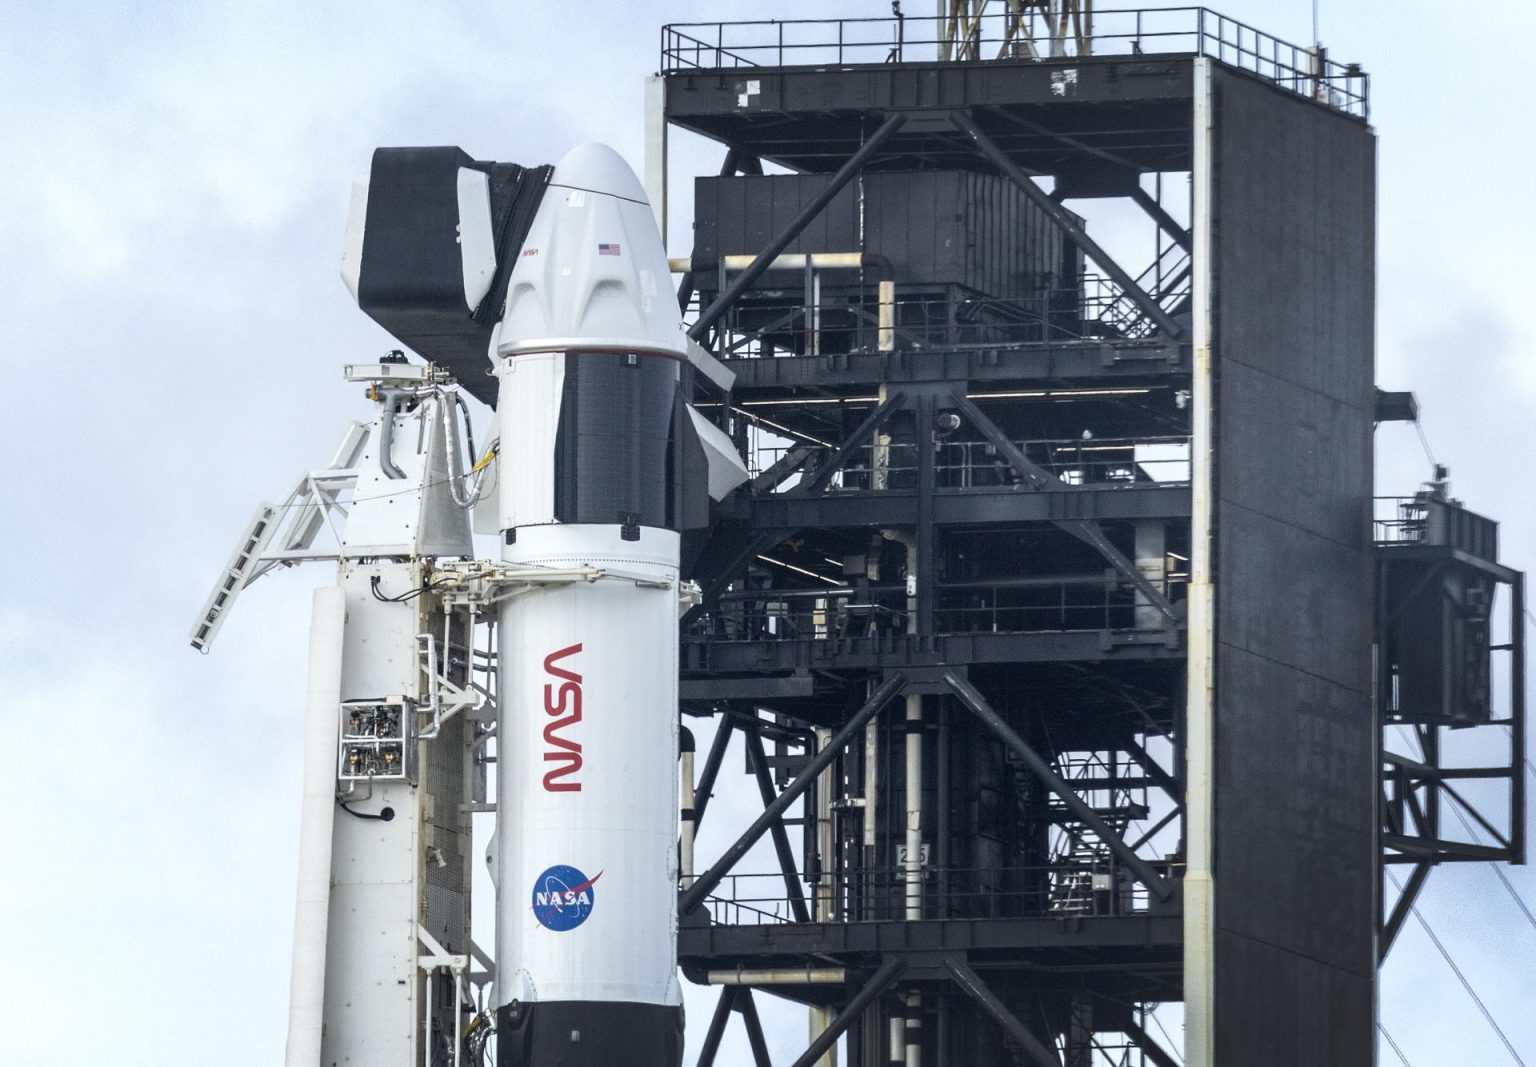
<point x="768" y="43"/>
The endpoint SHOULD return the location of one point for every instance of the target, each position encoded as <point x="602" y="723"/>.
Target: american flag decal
<point x="607" y="250"/>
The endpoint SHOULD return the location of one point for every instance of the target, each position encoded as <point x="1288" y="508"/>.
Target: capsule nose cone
<point x="600" y="169"/>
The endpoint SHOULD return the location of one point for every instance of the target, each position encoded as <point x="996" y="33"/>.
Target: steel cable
<point x="1462" y="978"/>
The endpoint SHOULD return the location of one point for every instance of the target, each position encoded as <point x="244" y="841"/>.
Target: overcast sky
<point x="173" y="188"/>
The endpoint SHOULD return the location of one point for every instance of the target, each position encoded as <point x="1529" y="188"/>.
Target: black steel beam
<point x="1153" y="1050"/>
<point x="792" y="888"/>
<point x="1165" y="221"/>
<point x="747" y="278"/>
<point x="1144" y="872"/>
<point x="706" y="784"/>
<point x="748" y="1008"/>
<point x="1170" y="785"/>
<point x="703" y="656"/>
<point x="977" y="990"/>
<point x="1120" y="941"/>
<point x="782" y="468"/>
<point x="1065" y="363"/>
<point x="876" y="509"/>
<point x="1400" y="911"/>
<point x="1517" y="759"/>
<point x="1037" y="478"/>
<point x="695" y="894"/>
<point x="717" y="1023"/>
<point x="818" y="481"/>
<point x="1067" y="224"/>
<point x="878" y="983"/>
<point x="1439" y="850"/>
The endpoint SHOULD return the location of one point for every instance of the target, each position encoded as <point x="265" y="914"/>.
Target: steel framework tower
<point x="1049" y="616"/>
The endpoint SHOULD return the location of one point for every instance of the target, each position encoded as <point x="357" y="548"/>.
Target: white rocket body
<point x="588" y="355"/>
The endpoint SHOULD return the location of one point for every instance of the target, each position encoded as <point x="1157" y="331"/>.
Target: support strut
<point x="747" y="278"/>
<point x="695" y="894"/>
<point x="878" y="983"/>
<point x="1037" y="478"/>
<point x="792" y="887"/>
<point x="1067" y="224"/>
<point x="977" y="990"/>
<point x="1144" y="872"/>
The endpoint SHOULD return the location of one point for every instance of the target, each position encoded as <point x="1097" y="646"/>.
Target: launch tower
<point x="1047" y="624"/>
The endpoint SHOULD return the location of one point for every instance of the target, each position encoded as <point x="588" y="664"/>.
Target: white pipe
<point x="820" y="1019"/>
<point x="913" y="872"/>
<point x="886" y="335"/>
<point x="826" y="842"/>
<point x="788" y="261"/>
<point x="779" y="976"/>
<point x="826" y="909"/>
<point x="685" y="857"/>
<point x="913" y="1028"/>
<point x="306" y="995"/>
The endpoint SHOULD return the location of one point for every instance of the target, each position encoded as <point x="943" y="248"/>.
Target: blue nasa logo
<point x="563" y="897"/>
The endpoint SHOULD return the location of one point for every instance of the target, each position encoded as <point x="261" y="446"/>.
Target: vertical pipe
<point x="914" y="865"/>
<point x="685" y="846"/>
<point x="886" y="335"/>
<point x="656" y="150"/>
<point x="826" y="842"/>
<point x="912" y="1031"/>
<point x="913" y="868"/>
<point x="1517" y="713"/>
<point x="1200" y="709"/>
<point x="820" y="1019"/>
<point x="306" y="996"/>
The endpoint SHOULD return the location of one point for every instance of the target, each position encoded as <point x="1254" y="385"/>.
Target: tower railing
<point x="1004" y="35"/>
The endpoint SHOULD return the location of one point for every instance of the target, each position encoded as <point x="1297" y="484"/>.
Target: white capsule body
<point x="587" y="765"/>
<point x="588" y="357"/>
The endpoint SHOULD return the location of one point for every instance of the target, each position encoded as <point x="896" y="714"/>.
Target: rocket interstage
<point x="588" y="356"/>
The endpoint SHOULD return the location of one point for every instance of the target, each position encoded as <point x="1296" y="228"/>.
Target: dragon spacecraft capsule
<point x="587" y="355"/>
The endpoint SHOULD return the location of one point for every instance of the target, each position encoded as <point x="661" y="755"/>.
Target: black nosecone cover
<point x="589" y="1033"/>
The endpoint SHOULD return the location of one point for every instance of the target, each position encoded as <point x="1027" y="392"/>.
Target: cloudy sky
<point x="173" y="184"/>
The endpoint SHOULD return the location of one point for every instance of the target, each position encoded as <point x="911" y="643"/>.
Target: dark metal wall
<point x="936" y="227"/>
<point x="1295" y="862"/>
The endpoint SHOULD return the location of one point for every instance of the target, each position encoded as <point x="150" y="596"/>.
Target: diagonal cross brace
<point x="780" y="837"/>
<point x="850" y="445"/>
<point x="1041" y="768"/>
<point x="1067" y="224"/>
<point x="977" y="990"/>
<point x="878" y="983"/>
<point x="705" y="884"/>
<point x="1037" y="478"/>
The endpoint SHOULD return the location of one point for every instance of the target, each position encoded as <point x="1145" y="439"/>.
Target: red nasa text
<point x="562" y="701"/>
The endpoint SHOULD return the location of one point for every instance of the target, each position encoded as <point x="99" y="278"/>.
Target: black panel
<point x="1295" y="862"/>
<point x="588" y="1033"/>
<point x="411" y="280"/>
<point x="612" y="454"/>
<point x="937" y="228"/>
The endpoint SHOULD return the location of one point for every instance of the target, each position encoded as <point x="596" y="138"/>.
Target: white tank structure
<point x="588" y="356"/>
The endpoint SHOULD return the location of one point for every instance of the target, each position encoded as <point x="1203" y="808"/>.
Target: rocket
<point x="600" y="466"/>
<point x="587" y="357"/>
